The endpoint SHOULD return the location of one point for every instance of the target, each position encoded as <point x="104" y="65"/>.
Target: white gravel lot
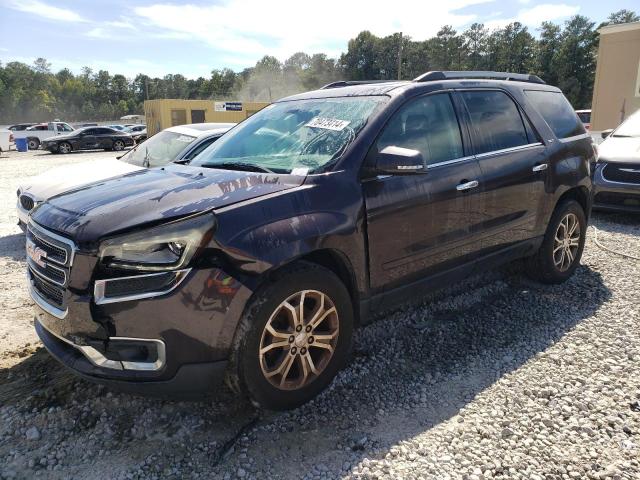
<point x="499" y="377"/>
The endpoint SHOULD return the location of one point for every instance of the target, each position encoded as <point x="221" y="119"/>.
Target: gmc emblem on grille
<point x="36" y="254"/>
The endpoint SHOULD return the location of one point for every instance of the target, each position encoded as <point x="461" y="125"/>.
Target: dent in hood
<point x="152" y="196"/>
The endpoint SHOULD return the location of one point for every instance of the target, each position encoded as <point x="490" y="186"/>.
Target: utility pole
<point x="400" y="58"/>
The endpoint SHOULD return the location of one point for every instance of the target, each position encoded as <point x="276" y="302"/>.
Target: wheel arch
<point x="581" y="195"/>
<point x="338" y="263"/>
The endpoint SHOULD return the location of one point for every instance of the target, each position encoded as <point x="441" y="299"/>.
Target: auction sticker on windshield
<point x="327" y="123"/>
<point x="184" y="138"/>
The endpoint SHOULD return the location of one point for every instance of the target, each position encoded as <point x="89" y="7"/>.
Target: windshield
<point x="159" y="150"/>
<point x="630" y="127"/>
<point x="303" y="135"/>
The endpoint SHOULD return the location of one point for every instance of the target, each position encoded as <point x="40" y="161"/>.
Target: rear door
<point x="422" y="224"/>
<point x="513" y="164"/>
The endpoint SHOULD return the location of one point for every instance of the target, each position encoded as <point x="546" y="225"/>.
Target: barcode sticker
<point x="328" y="123"/>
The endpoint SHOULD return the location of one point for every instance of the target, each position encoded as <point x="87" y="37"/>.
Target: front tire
<point x="559" y="255"/>
<point x="294" y="337"/>
<point x="33" y="143"/>
<point x="64" y="147"/>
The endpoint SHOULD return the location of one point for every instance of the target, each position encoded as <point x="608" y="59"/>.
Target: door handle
<point x="540" y="168"/>
<point x="467" y="186"/>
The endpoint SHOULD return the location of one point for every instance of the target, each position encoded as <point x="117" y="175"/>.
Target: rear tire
<point x="559" y="255"/>
<point x="33" y="143"/>
<point x="305" y="353"/>
<point x="118" y="145"/>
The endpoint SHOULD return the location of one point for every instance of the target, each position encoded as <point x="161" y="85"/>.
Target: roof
<point x="401" y="87"/>
<point x="619" y="27"/>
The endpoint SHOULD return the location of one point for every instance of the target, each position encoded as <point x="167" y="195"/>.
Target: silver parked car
<point x="617" y="174"/>
<point x="174" y="144"/>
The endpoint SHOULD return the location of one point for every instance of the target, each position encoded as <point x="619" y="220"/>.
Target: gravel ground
<point x="498" y="377"/>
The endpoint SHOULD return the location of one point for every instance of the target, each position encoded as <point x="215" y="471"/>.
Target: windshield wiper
<point x="248" y="167"/>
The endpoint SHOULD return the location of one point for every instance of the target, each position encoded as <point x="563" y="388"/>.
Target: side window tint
<point x="557" y="112"/>
<point x="496" y="121"/>
<point x="196" y="151"/>
<point x="429" y="125"/>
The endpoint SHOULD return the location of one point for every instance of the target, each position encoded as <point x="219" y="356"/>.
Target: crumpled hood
<point x="69" y="177"/>
<point x="620" y="149"/>
<point x="152" y="196"/>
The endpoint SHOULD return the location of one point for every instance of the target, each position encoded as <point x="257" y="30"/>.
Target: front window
<point x="629" y="128"/>
<point x="159" y="150"/>
<point x="297" y="137"/>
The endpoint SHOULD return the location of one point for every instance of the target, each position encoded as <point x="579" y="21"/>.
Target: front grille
<point x="27" y="202"/>
<point x="56" y="250"/>
<point x="54" y="294"/>
<point x="622" y="172"/>
<point x="49" y="258"/>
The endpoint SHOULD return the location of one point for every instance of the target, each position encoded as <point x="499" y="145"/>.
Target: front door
<point x="513" y="164"/>
<point x="422" y="224"/>
<point x="88" y="139"/>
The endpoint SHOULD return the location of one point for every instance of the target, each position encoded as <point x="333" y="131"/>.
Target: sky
<point x="194" y="37"/>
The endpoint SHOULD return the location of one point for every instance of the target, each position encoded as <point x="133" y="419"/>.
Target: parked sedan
<point x="617" y="173"/>
<point x="90" y="138"/>
<point x="175" y="144"/>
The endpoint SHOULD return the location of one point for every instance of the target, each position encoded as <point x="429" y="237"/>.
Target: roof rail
<point x="348" y="83"/>
<point x="462" y="75"/>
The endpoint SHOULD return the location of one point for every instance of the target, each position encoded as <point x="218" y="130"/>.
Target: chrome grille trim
<point x="37" y="270"/>
<point x="50" y="238"/>
<point x="57" y="255"/>
<point x="42" y="302"/>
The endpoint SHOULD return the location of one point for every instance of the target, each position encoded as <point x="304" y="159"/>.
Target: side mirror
<point x="606" y="133"/>
<point x="399" y="161"/>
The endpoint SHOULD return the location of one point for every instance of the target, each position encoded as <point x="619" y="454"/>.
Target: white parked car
<point x="6" y="140"/>
<point x="37" y="133"/>
<point x="175" y="144"/>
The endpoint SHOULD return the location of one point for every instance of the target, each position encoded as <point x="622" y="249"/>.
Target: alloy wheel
<point x="118" y="145"/>
<point x="64" y="147"/>
<point x="566" y="242"/>
<point x="299" y="340"/>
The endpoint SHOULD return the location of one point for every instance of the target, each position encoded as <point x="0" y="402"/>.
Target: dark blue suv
<point x="256" y="261"/>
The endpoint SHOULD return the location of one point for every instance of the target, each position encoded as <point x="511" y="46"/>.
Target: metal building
<point x="616" y="93"/>
<point x="164" y="113"/>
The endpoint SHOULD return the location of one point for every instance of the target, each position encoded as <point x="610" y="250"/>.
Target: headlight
<point x="167" y="247"/>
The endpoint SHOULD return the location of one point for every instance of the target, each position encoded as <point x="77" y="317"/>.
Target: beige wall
<point x="617" y="83"/>
<point x="158" y="113"/>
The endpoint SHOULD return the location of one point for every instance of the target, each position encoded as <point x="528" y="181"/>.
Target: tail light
<point x="11" y="138"/>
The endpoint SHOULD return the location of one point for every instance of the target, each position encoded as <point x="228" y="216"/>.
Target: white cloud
<point x="43" y="10"/>
<point x="546" y="12"/>
<point x="533" y="17"/>
<point x="249" y="29"/>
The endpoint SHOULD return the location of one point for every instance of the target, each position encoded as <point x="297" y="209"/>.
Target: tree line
<point x="562" y="55"/>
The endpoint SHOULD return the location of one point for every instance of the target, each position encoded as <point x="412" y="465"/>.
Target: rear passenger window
<point x="557" y="112"/>
<point x="496" y="121"/>
<point x="429" y="125"/>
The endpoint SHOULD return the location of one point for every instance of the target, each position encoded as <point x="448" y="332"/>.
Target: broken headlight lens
<point x="166" y="247"/>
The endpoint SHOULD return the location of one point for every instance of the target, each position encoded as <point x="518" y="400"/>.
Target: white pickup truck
<point x="37" y="133"/>
<point x="6" y="140"/>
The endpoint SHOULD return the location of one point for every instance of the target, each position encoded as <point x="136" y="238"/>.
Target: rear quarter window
<point x="557" y="112"/>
